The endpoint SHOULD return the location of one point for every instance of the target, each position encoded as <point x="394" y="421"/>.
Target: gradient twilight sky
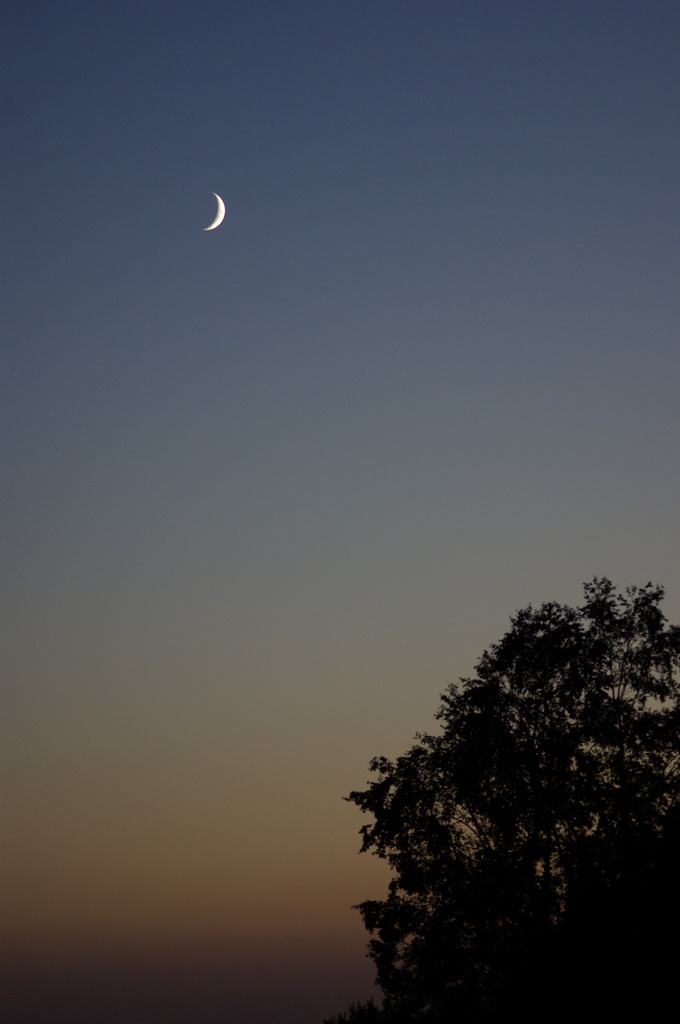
<point x="269" y="489"/>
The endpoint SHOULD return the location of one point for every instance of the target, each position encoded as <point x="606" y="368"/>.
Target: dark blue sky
<point x="270" y="488"/>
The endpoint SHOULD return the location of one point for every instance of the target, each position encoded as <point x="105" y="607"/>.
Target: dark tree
<point x="546" y="791"/>
<point x="357" y="1013"/>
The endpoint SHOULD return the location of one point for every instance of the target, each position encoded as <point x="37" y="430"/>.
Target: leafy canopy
<point x="556" y="766"/>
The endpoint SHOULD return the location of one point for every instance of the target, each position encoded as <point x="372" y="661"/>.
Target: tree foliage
<point x="551" y="780"/>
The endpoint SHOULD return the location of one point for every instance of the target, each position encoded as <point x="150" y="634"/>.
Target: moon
<point x="220" y="214"/>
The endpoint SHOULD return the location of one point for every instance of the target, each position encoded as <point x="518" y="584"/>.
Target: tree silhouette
<point x="544" y="804"/>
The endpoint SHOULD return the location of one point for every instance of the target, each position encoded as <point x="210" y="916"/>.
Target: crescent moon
<point x="220" y="214"/>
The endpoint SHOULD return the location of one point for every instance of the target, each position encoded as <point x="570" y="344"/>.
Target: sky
<point x="267" y="490"/>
